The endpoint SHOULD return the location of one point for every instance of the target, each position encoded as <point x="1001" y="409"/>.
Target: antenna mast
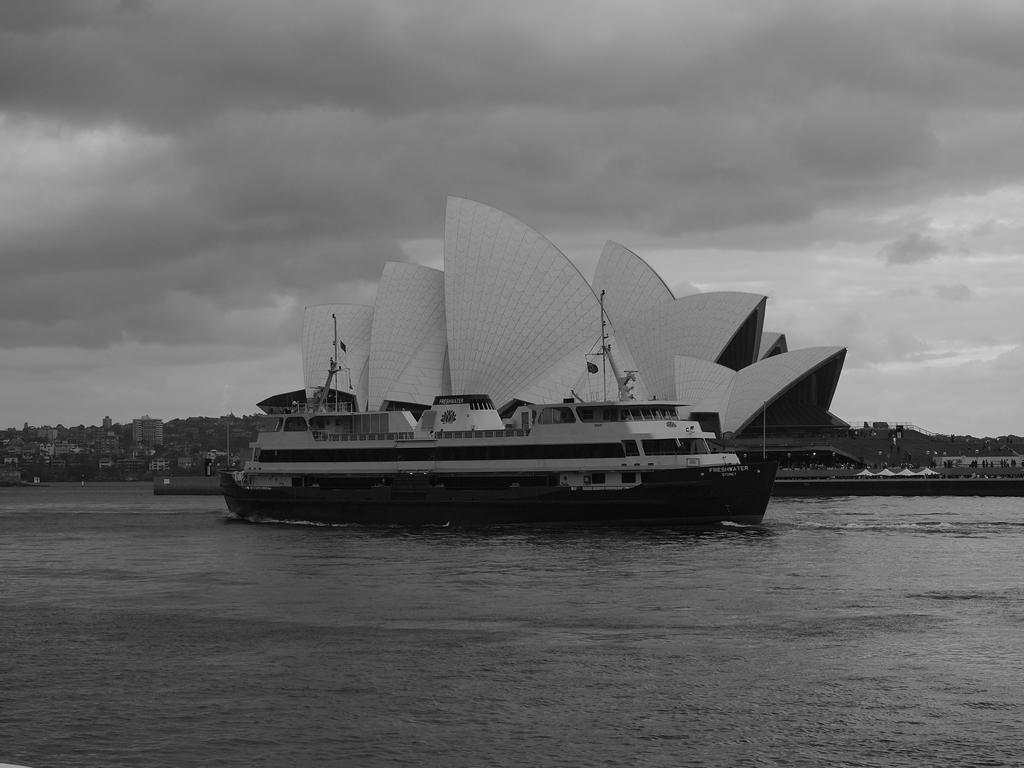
<point x="324" y="394"/>
<point x="604" y="348"/>
<point x="335" y="319"/>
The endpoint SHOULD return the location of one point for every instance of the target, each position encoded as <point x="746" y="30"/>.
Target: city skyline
<point x="183" y="178"/>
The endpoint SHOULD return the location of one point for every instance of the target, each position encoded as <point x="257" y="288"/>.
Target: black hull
<point x="683" y="497"/>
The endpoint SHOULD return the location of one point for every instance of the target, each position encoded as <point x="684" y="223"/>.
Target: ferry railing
<point x="326" y="408"/>
<point x="479" y="433"/>
<point x="321" y="435"/>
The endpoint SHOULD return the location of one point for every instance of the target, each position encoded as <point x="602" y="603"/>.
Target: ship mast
<point x="335" y="359"/>
<point x="622" y="378"/>
<point x="332" y="371"/>
<point x="605" y="348"/>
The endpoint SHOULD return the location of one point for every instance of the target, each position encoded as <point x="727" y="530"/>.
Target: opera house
<point x="511" y="316"/>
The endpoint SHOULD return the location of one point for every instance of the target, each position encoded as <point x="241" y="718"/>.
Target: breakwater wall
<point x="900" y="486"/>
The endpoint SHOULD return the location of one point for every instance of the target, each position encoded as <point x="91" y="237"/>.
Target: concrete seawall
<point x="900" y="486"/>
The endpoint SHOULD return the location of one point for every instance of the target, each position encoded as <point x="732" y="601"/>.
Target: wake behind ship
<point x="460" y="463"/>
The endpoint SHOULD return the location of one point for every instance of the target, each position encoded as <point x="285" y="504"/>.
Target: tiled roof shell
<point x="631" y="287"/>
<point x="407" y="344"/>
<point x="768" y="379"/>
<point x="516" y="308"/>
<point x="701" y="325"/>
<point x="772" y="343"/>
<point x="698" y="381"/>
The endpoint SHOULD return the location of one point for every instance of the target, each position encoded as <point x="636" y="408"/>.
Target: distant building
<point x="107" y="443"/>
<point x="159" y="465"/>
<point x="148" y="431"/>
<point x="63" y="447"/>
<point x="131" y="465"/>
<point x="107" y="423"/>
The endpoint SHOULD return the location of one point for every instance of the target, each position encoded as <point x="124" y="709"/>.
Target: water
<point x="142" y="631"/>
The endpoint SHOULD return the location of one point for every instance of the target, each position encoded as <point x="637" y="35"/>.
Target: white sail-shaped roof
<point x="772" y="343"/>
<point x="631" y="287"/>
<point x="515" y="306"/>
<point x="408" y="341"/>
<point x="354" y="328"/>
<point x="702" y="325"/>
<point x="764" y="382"/>
<point x="513" y="318"/>
<point x="699" y="381"/>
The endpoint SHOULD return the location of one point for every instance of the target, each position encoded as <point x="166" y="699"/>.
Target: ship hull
<point x="683" y="497"/>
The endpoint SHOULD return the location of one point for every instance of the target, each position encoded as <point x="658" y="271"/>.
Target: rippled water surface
<point x="147" y="631"/>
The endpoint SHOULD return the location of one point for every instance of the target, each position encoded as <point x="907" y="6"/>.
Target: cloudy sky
<point x="181" y="177"/>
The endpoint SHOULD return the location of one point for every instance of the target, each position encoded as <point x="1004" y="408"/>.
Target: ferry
<point x="461" y="464"/>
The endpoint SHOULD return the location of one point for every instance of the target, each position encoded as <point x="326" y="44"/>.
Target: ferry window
<point x="610" y="414"/>
<point x="663" y="447"/>
<point x="629" y="477"/>
<point x="585" y="414"/>
<point x="295" y="424"/>
<point x="629" y="447"/>
<point x="597" y="478"/>
<point x="558" y="415"/>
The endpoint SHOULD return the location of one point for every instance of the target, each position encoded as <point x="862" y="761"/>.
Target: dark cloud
<point x="178" y="171"/>
<point x="188" y="300"/>
<point x="716" y="119"/>
<point x="32" y="17"/>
